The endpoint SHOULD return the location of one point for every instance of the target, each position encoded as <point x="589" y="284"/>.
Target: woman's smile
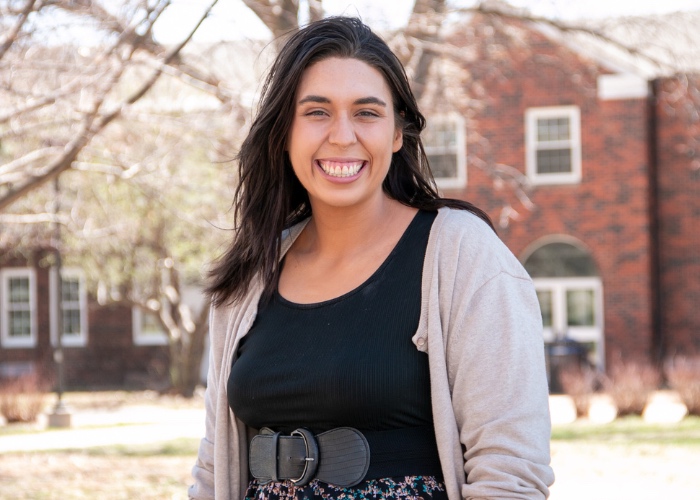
<point x="343" y="134"/>
<point x="341" y="169"/>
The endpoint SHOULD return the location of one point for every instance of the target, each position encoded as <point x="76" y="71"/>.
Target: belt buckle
<point x="311" y="460"/>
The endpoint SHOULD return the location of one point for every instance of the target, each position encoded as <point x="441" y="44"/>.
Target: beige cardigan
<point x="481" y="328"/>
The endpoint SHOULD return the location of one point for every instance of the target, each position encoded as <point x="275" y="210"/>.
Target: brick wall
<point x="678" y="173"/>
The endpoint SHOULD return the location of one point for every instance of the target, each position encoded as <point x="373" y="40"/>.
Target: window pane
<point x="20" y="324"/>
<point x="71" y="321"/>
<point x="553" y="129"/>
<point x="545" y="298"/>
<point x="559" y="260"/>
<point x="553" y="161"/>
<point x="441" y="135"/>
<point x="71" y="290"/>
<point x="579" y="308"/>
<point x="19" y="290"/>
<point x="446" y="136"/>
<point x="150" y="324"/>
<point x="443" y="165"/>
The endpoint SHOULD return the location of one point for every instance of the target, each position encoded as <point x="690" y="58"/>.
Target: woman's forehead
<point x="338" y="78"/>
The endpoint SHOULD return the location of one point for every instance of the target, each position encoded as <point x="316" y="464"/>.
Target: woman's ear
<point x="398" y="133"/>
<point x="398" y="139"/>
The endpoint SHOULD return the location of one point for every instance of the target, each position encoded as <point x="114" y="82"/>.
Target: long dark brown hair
<point x="269" y="198"/>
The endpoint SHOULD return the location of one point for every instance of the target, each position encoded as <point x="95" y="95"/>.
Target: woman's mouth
<point x="340" y="169"/>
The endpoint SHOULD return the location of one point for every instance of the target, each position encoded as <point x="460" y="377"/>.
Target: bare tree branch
<point x="33" y="219"/>
<point x="280" y="16"/>
<point x="11" y="35"/>
<point x="110" y="22"/>
<point x="28" y="159"/>
<point x="486" y="9"/>
<point x="424" y="25"/>
<point x="315" y="10"/>
<point x="93" y="125"/>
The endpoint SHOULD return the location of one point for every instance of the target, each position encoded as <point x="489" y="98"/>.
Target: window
<point x="553" y="145"/>
<point x="570" y="307"/>
<point x="73" y="308"/>
<point x="18" y="299"/>
<point x="445" y="144"/>
<point x="147" y="328"/>
<point x="570" y="294"/>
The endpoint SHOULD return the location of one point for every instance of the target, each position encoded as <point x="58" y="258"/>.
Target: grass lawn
<point x="626" y="460"/>
<point x="148" y="472"/>
<point x="631" y="430"/>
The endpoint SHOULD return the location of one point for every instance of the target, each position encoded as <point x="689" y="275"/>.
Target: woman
<point x="387" y="345"/>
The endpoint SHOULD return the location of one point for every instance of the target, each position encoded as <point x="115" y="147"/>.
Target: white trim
<point x="532" y="145"/>
<point x="79" y="340"/>
<point x="558" y="287"/>
<point x="142" y="338"/>
<point x="5" y="339"/>
<point x="459" y="149"/>
<point x="622" y="86"/>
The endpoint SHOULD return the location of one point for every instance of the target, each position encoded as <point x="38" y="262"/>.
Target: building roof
<point x="646" y="46"/>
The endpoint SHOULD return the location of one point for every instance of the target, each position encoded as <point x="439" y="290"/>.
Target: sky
<point x="233" y="20"/>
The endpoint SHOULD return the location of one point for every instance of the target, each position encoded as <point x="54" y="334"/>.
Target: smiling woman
<point x="368" y="338"/>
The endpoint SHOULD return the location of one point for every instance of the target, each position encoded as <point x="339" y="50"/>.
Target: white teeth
<point x="337" y="169"/>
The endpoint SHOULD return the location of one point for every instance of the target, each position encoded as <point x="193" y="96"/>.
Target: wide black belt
<point x="275" y="457"/>
<point x="343" y="456"/>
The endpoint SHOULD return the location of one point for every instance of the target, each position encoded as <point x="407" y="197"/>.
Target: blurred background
<point x="575" y="125"/>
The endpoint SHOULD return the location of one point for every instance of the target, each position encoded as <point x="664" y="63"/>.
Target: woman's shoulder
<point x="465" y="237"/>
<point x="460" y="221"/>
<point x="465" y="231"/>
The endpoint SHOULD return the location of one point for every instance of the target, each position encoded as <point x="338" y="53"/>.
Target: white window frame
<point x="81" y="339"/>
<point x="5" y="339"/>
<point x="141" y="338"/>
<point x="460" y="149"/>
<point x="532" y="145"/>
<point x="558" y="288"/>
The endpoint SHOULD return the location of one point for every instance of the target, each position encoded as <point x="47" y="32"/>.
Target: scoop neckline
<point x="358" y="288"/>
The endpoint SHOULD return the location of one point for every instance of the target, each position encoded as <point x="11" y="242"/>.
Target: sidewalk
<point x="143" y="423"/>
<point x="128" y="424"/>
<point x="140" y="424"/>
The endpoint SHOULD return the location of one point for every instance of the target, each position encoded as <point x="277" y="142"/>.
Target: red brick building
<point x="596" y="165"/>
<point x="104" y="346"/>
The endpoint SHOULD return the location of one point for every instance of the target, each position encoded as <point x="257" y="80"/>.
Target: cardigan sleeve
<point x="496" y="371"/>
<point x="490" y="395"/>
<point x="203" y="470"/>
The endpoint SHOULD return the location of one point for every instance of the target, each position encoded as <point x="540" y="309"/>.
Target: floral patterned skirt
<point x="406" y="487"/>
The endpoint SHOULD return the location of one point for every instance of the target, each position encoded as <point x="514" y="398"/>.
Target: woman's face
<point x="343" y="133"/>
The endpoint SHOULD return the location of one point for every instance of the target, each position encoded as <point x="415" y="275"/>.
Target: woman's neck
<point x="343" y="231"/>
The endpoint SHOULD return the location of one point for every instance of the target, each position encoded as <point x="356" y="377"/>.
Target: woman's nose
<point x="342" y="132"/>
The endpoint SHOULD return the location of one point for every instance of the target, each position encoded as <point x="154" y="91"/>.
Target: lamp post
<point x="60" y="417"/>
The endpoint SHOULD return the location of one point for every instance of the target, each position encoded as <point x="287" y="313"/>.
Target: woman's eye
<point x="367" y="113"/>
<point x="315" y="112"/>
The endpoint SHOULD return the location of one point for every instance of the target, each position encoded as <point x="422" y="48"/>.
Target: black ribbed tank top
<point x="348" y="361"/>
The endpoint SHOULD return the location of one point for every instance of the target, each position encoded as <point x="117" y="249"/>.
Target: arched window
<point x="570" y="293"/>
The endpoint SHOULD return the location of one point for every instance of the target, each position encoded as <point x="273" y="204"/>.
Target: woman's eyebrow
<point x="315" y="98"/>
<point x="370" y="100"/>
<point x="324" y="100"/>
